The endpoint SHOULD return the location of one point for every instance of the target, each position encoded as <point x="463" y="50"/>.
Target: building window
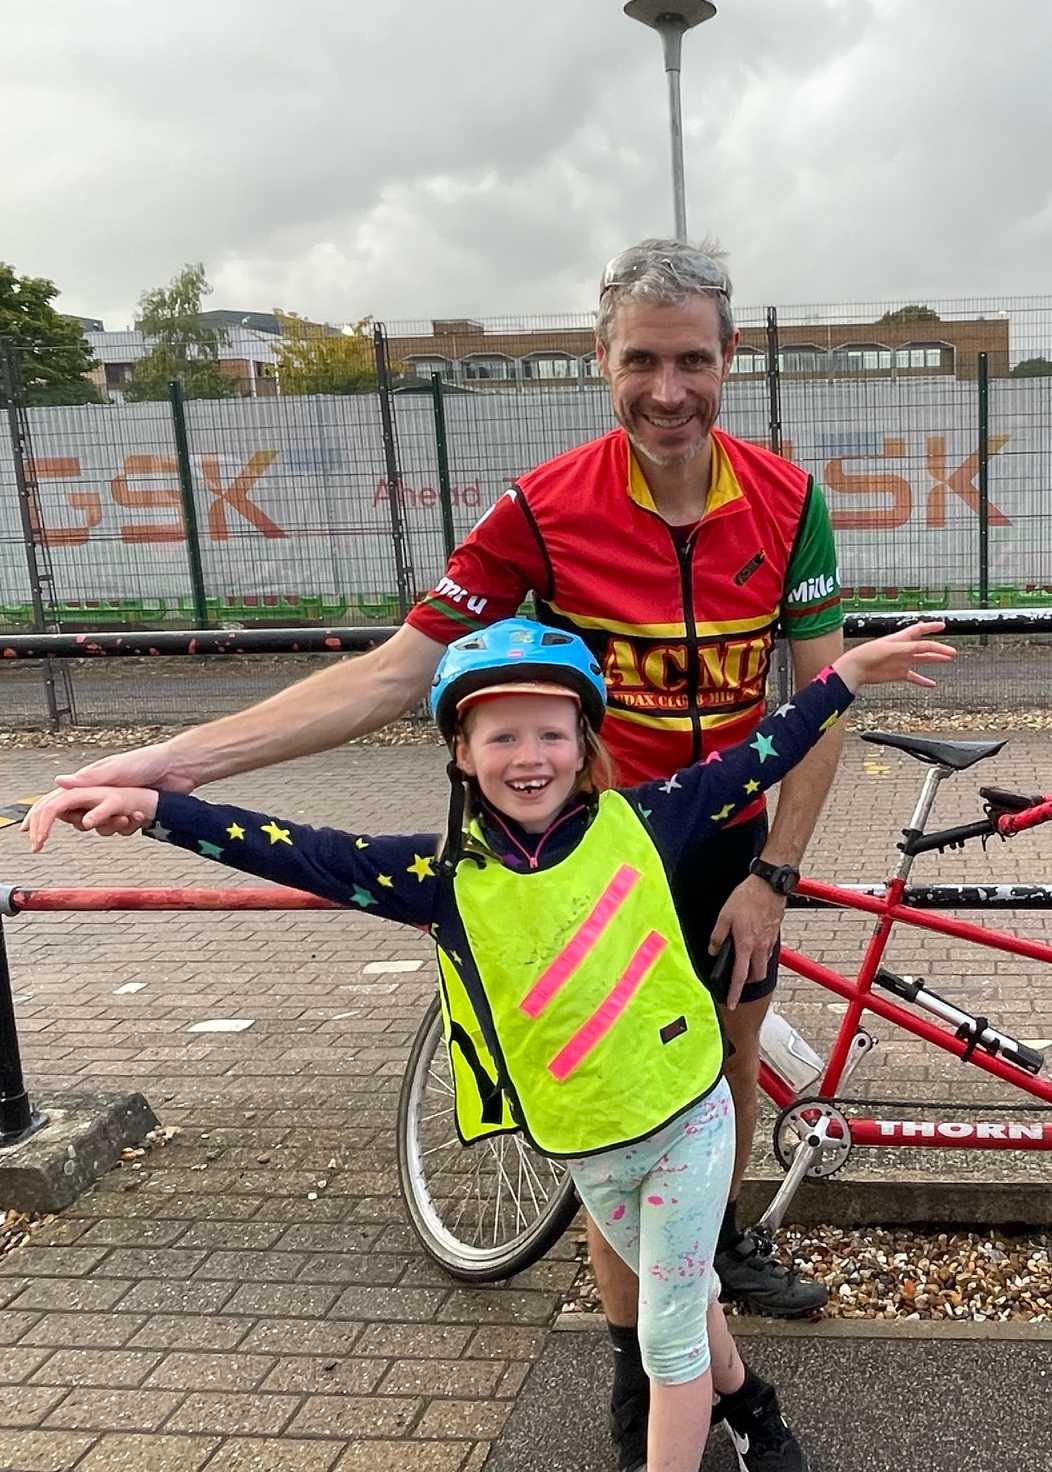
<point x="862" y="357"/>
<point x="488" y="366"/>
<point x="590" y="366"/>
<point x="424" y="367"/>
<point x="749" y="360"/>
<point x="549" y="365"/>
<point x="118" y="374"/>
<point x="926" y="355"/>
<point x="803" y="358"/>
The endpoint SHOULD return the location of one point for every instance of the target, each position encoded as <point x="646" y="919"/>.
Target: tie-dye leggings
<point x="660" y="1204"/>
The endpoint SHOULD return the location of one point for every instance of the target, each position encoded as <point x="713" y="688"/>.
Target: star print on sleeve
<point x="368" y="873"/>
<point x="723" y="785"/>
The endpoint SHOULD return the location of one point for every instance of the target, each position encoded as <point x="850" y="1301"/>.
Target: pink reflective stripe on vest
<point x="555" y="976"/>
<point x="609" y="1010"/>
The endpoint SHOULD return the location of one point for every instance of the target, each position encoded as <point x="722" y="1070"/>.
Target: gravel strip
<point x="409" y="732"/>
<point x="16" y="1227"/>
<point x="874" y="1273"/>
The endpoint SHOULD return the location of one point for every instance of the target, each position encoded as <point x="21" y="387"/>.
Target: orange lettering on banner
<point x="236" y="495"/>
<point x="961" y="481"/>
<point x="62" y="467"/>
<point x="893" y="488"/>
<point x="155" y="498"/>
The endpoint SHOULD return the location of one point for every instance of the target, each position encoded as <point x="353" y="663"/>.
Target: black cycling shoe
<point x="762" y="1440"/>
<point x="628" y="1427"/>
<point x="751" y="1274"/>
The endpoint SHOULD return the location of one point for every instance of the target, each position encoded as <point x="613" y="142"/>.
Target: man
<point x="675" y="551"/>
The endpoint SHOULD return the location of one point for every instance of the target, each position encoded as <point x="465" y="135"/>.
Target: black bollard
<point x="18" y="1118"/>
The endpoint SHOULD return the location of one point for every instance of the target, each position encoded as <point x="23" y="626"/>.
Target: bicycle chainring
<point x="793" y="1125"/>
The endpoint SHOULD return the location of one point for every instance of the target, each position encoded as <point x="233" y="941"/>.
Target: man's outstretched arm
<point x="352" y="698"/>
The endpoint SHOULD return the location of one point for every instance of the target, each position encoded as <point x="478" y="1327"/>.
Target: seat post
<point x="921" y="813"/>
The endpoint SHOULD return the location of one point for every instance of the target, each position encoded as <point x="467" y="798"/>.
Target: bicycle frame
<point x="860" y="997"/>
<point x="818" y="1122"/>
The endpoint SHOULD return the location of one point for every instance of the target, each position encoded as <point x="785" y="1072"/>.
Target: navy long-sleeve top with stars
<point x="396" y="876"/>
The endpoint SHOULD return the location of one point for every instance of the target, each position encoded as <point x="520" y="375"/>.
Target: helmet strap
<point x="453" y="851"/>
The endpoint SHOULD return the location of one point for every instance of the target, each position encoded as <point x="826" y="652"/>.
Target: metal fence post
<point x="783" y="677"/>
<point x="394" y="474"/>
<point x="186" y="488"/>
<point x="18" y="1118"/>
<point x="445" y="489"/>
<point x="34" y="538"/>
<point x="984" y="481"/>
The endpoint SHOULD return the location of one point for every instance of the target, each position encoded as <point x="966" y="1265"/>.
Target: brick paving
<point x="250" y="1298"/>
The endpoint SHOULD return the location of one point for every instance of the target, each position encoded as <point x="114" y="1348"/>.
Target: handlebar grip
<point x="1014" y="801"/>
<point x="1030" y="817"/>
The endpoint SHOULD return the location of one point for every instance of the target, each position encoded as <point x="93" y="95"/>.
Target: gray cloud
<point x="408" y="159"/>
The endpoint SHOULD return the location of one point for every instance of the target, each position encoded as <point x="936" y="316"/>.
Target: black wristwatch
<point x="782" y="878"/>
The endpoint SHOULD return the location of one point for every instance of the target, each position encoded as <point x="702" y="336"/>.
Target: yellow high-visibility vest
<point x="592" y="1029"/>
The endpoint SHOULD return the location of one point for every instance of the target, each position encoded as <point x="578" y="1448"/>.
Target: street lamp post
<point x="671" y="19"/>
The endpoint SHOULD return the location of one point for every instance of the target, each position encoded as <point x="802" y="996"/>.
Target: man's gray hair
<point x="665" y="273"/>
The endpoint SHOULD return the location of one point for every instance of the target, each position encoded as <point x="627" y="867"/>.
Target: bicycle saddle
<point x="955" y="754"/>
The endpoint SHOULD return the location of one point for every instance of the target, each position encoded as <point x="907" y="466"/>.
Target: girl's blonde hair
<point x="598" y="774"/>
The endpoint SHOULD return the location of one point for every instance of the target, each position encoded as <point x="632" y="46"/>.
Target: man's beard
<point x="683" y="457"/>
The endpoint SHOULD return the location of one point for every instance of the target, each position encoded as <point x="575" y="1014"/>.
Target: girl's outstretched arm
<point x="699" y="799"/>
<point x="392" y="877"/>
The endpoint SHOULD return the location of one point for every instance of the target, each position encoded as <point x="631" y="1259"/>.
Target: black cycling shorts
<point x="707" y="874"/>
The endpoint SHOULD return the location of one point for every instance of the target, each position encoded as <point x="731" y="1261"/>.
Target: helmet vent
<point x="554" y="638"/>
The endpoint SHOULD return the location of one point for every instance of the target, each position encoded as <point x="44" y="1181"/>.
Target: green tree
<point x="317" y="359"/>
<point x="181" y="345"/>
<point x="53" y="353"/>
<point x="911" y="314"/>
<point x="1033" y="368"/>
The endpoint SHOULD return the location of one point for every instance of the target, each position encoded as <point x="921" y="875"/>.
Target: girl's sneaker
<point x="762" y="1440"/>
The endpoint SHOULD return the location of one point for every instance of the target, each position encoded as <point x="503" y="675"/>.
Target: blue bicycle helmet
<point x="513" y="652"/>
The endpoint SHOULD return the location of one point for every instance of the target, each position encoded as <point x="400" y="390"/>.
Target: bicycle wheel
<point x="484" y="1211"/>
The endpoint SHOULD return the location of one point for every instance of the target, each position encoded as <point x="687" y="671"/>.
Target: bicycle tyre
<point x="449" y="1242"/>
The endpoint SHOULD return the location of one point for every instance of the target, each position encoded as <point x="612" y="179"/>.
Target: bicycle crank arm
<point x="809" y="1149"/>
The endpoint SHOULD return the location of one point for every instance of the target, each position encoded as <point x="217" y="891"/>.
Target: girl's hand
<point x="120" y="810"/>
<point x="880" y="661"/>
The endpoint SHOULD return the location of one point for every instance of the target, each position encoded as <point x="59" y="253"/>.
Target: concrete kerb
<point x="744" y="1326"/>
<point x="82" y="1140"/>
<point x="906" y="1199"/>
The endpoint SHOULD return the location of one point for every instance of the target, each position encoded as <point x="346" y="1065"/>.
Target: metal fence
<point x="934" y="450"/>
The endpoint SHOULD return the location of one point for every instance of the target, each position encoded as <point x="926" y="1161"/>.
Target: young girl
<point x="572" y="1010"/>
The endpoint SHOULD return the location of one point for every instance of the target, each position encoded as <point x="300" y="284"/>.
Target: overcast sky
<point x="418" y="158"/>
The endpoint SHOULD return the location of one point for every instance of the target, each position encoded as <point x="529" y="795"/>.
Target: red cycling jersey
<point x="682" y="620"/>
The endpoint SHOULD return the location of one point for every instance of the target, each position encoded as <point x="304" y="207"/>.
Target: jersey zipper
<point x="533" y="860"/>
<point x="685" y="558"/>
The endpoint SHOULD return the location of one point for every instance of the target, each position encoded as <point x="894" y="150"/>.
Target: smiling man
<point x="676" y="551"/>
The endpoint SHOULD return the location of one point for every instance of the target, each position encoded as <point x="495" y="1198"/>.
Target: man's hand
<point x="753" y="916"/>
<point x="104" y="810"/>
<point x="148" y="766"/>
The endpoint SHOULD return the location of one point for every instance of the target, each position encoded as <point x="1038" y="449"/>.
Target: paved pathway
<point x="250" y="1297"/>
